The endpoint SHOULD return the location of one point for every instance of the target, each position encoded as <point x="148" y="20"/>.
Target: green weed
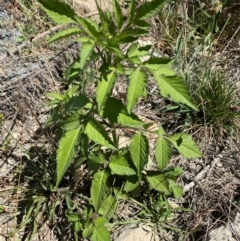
<point x="88" y="124"/>
<point x="217" y="101"/>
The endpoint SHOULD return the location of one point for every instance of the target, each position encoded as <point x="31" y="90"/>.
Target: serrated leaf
<point x="139" y="150"/>
<point x="108" y="206"/>
<point x="77" y="102"/>
<point x="157" y="63"/>
<point x="71" y="91"/>
<point x="129" y="120"/>
<point x="103" y="19"/>
<point x="89" y="27"/>
<point x="99" y="189"/>
<point x="130" y="31"/>
<point x="125" y="39"/>
<point x="158" y="182"/>
<point x="185" y="145"/>
<point x="64" y="34"/>
<point x="55" y="95"/>
<point x="71" y="121"/>
<point x="84" y="39"/>
<point x="120" y="166"/>
<point x="112" y="108"/>
<point x="142" y="24"/>
<point x="97" y="133"/>
<point x="101" y="233"/>
<point x="161" y="131"/>
<point x="114" y="49"/>
<point x="86" y="51"/>
<point x="132" y="183"/>
<point x="162" y="152"/>
<point x="177" y="190"/>
<point x="66" y="152"/>
<point x="134" y="51"/>
<point x="149" y="9"/>
<point x="73" y="70"/>
<point x="55" y="116"/>
<point x="59" y="12"/>
<point x="118" y="14"/>
<point x="174" y="87"/>
<point x="116" y="112"/>
<point x="131" y="10"/>
<point x="96" y="161"/>
<point x="136" y="88"/>
<point x="105" y="87"/>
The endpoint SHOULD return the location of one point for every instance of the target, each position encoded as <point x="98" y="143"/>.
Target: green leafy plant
<point x="88" y="124"/>
<point x="218" y="104"/>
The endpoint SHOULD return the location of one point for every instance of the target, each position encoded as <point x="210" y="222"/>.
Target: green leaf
<point x="100" y="221"/>
<point x="71" y="121"/>
<point x="73" y="90"/>
<point x="161" y="131"/>
<point x="172" y="173"/>
<point x="142" y="24"/>
<point x="108" y="207"/>
<point x="86" y="51"/>
<point x="89" y="27"/>
<point x="134" y="51"/>
<point x="174" y="87"/>
<point x="105" y="87"/>
<point x="129" y="120"/>
<point x="118" y="14"/>
<point x="99" y="189"/>
<point x="87" y="231"/>
<point x="136" y="88"/>
<point x="120" y="166"/>
<point x="59" y="12"/>
<point x="139" y="150"/>
<point x="131" y="10"/>
<point x="55" y="96"/>
<point x="66" y="152"/>
<point x="64" y="34"/>
<point x="132" y="183"/>
<point x="100" y="232"/>
<point x="77" y="102"/>
<point x="160" y="64"/>
<point x="185" y="145"/>
<point x="116" y="112"/>
<point x="134" y="32"/>
<point x="97" y="133"/>
<point x="84" y="39"/>
<point x="120" y="194"/>
<point x="96" y="161"/>
<point x="112" y="108"/>
<point x="177" y="190"/>
<point x="149" y="9"/>
<point x="73" y="217"/>
<point x="73" y="70"/>
<point x="103" y="19"/>
<point x="162" y="152"/>
<point x="158" y="182"/>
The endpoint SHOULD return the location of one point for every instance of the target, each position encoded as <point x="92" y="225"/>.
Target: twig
<point x="196" y="179"/>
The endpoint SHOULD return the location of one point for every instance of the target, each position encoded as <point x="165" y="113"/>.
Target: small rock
<point x="2" y="238"/>
<point x="135" y="233"/>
